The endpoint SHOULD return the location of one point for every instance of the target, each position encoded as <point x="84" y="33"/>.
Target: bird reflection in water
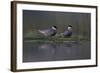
<point x="47" y="49"/>
<point x="51" y="51"/>
<point x="54" y="51"/>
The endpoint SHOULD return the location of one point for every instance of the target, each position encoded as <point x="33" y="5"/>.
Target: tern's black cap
<point x="69" y="25"/>
<point x="55" y="27"/>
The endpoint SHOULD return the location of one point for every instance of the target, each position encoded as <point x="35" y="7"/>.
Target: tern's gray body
<point x="68" y="32"/>
<point x="49" y="32"/>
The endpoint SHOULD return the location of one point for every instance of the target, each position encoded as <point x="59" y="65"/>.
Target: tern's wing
<point x="65" y="32"/>
<point x="44" y="32"/>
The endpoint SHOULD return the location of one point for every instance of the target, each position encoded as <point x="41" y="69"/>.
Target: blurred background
<point x="35" y="20"/>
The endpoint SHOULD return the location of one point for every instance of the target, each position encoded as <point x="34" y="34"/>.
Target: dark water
<point x="49" y="51"/>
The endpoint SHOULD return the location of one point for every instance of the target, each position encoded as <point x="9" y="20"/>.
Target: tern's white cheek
<point x="69" y="28"/>
<point x="53" y="28"/>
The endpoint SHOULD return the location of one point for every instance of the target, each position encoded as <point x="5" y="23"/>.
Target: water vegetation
<point x="36" y="36"/>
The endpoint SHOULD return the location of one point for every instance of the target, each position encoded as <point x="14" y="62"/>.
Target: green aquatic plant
<point x="36" y="36"/>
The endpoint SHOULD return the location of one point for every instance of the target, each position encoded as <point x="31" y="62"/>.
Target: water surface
<point x="50" y="51"/>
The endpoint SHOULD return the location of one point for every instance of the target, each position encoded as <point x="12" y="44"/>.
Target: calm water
<point x="49" y="51"/>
